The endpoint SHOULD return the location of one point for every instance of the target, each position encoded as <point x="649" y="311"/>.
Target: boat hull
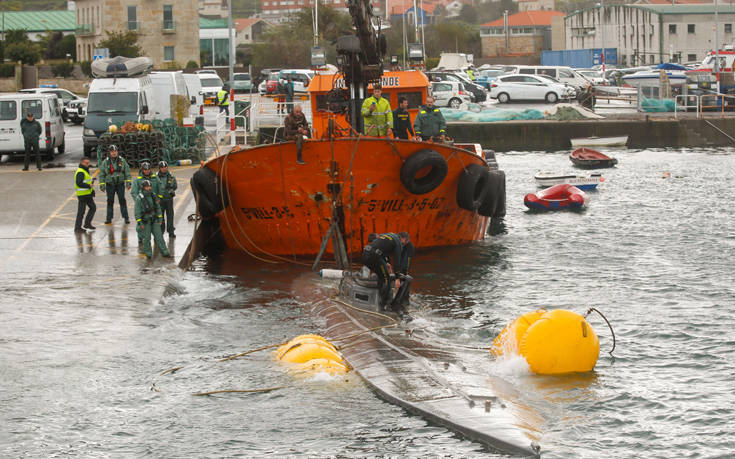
<point x="583" y="183"/>
<point x="599" y="142"/>
<point x="586" y="158"/>
<point x="278" y="207"/>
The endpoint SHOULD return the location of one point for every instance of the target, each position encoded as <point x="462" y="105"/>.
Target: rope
<point x="589" y="311"/>
<point x="234" y="356"/>
<point x="240" y="391"/>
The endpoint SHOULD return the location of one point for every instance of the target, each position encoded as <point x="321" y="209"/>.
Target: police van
<point x="46" y="109"/>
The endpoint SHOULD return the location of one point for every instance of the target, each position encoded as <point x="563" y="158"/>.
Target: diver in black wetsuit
<point x="375" y="256"/>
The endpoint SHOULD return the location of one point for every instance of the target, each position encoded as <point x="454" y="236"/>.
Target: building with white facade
<point x="649" y="34"/>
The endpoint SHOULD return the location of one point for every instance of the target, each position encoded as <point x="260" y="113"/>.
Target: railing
<point x="84" y="29"/>
<point x="703" y="102"/>
<point x="224" y="127"/>
<point x="168" y="26"/>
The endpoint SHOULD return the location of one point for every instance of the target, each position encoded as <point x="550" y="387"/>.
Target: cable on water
<point x="240" y="391"/>
<point x="589" y="311"/>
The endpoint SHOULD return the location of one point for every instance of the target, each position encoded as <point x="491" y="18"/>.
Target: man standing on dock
<point x="430" y="124"/>
<point x="114" y="178"/>
<point x="377" y="114"/>
<point x="85" y="195"/>
<point x="31" y="130"/>
<point x="167" y="189"/>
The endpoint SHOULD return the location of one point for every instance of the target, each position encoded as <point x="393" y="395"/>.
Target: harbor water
<point x="87" y="359"/>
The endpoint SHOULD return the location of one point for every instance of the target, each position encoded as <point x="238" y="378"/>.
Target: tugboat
<point x="266" y="204"/>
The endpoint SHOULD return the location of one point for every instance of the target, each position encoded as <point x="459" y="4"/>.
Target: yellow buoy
<point x="301" y="339"/>
<point x="113" y="128"/>
<point x="509" y="339"/>
<point x="303" y="352"/>
<point x="559" y="342"/>
<point x="321" y="365"/>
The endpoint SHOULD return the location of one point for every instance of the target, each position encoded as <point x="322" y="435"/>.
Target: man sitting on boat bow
<point x="375" y="256"/>
<point x="297" y="128"/>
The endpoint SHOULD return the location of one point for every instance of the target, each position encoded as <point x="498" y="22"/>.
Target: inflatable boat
<point x="122" y="67"/>
<point x="591" y="159"/>
<point x="558" y="197"/>
<point x="547" y="179"/>
<point x="426" y="379"/>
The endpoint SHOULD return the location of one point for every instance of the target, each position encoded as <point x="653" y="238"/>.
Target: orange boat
<point x="271" y="207"/>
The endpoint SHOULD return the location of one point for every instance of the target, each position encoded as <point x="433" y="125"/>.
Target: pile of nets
<point x="478" y="114"/>
<point x="657" y="105"/>
<point x="153" y="141"/>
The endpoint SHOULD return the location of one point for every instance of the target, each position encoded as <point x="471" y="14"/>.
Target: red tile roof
<point x="244" y="23"/>
<point x="527" y="18"/>
<point x="676" y="2"/>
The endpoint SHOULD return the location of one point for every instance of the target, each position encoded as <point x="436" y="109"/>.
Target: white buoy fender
<point x="331" y="273"/>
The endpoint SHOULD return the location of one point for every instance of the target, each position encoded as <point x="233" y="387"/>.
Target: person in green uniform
<point x="429" y="123"/>
<point x="377" y="114"/>
<point x="31" y="130"/>
<point x="148" y="218"/>
<point x="114" y="178"/>
<point x="167" y="190"/>
<point x="145" y="174"/>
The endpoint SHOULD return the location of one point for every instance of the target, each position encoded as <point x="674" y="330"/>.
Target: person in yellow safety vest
<point x="83" y="186"/>
<point x="471" y="73"/>
<point x="377" y="114"/>
<point x="223" y="100"/>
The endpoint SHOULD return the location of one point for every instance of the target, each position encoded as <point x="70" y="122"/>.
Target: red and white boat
<point x="588" y="158"/>
<point x="558" y="197"/>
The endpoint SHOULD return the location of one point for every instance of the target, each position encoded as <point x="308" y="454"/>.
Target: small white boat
<point x="122" y="67"/>
<point x="620" y="141"/>
<point x="546" y="179"/>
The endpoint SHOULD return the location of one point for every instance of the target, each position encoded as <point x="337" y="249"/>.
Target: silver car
<point x="529" y="87"/>
<point x="449" y="94"/>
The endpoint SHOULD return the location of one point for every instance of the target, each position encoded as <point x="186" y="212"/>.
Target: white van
<point x="166" y="84"/>
<point x="194" y="86"/>
<point x="46" y="109"/>
<point x="115" y="101"/>
<point x="211" y="85"/>
<point x="561" y="73"/>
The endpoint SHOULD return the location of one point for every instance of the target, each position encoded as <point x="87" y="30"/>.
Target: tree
<point x="69" y="46"/>
<point x="28" y="53"/>
<point x="50" y="43"/>
<point x="16" y="36"/>
<point x="123" y="43"/>
<point x="469" y="14"/>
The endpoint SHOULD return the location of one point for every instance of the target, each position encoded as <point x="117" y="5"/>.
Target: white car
<point x="76" y="110"/>
<point x="211" y="85"/>
<point x="529" y="87"/>
<point x="449" y="94"/>
<point x="595" y="76"/>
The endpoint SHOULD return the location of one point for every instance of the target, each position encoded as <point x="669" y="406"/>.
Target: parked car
<point x="242" y="82"/>
<point x="206" y="72"/>
<point x="166" y="84"/>
<point x="63" y="94"/>
<point x="211" y="85"/>
<point x="263" y="76"/>
<point x="268" y="86"/>
<point x="76" y="110"/>
<point x="594" y="76"/>
<point x="529" y="87"/>
<point x="46" y="109"/>
<point x="479" y="94"/>
<point x="561" y="73"/>
<point x="450" y="94"/>
<point x="301" y="78"/>
<point x="487" y="76"/>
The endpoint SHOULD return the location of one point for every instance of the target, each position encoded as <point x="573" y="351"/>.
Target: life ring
<point x="205" y="184"/>
<point x="494" y="203"/>
<point x="473" y="187"/>
<point x="426" y="182"/>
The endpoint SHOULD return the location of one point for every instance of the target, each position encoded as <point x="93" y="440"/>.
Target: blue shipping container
<point x="579" y="58"/>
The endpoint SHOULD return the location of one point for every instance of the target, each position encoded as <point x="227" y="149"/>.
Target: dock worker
<point x="401" y="300"/>
<point x="402" y="128"/>
<point x="223" y="100"/>
<point x="377" y="114"/>
<point x="167" y="188"/>
<point x="145" y="174"/>
<point x="289" y="87"/>
<point x="114" y="178"/>
<point x="429" y="123"/>
<point x="296" y="128"/>
<point x="31" y="130"/>
<point x="148" y="218"/>
<point x="85" y="197"/>
<point x="375" y="256"/>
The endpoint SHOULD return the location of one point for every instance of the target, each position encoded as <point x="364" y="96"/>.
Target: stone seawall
<point x="554" y="135"/>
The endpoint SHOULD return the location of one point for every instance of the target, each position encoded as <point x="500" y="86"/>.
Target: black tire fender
<point x="428" y="182"/>
<point x="494" y="203"/>
<point x="206" y="186"/>
<point x="474" y="183"/>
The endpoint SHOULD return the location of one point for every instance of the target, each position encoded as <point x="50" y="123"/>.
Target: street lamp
<point x="601" y="5"/>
